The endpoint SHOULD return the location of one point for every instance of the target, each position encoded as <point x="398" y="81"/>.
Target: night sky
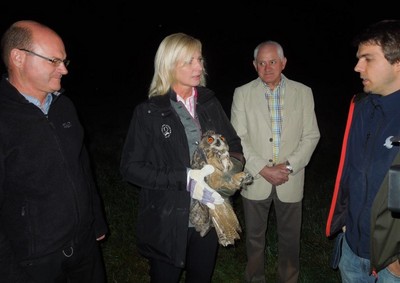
<point x="112" y="47"/>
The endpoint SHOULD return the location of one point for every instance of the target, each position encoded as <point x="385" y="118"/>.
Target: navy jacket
<point x="48" y="198"/>
<point x="360" y="198"/>
<point x="155" y="158"/>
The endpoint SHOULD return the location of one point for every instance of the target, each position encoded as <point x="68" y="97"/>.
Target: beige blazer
<point x="299" y="137"/>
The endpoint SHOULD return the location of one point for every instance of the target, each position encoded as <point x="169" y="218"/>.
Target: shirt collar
<point x="46" y="105"/>
<point x="279" y="86"/>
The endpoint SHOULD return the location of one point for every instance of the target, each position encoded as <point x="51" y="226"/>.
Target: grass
<point x="125" y="265"/>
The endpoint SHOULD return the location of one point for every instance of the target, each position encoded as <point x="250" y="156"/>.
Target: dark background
<point x="112" y="46"/>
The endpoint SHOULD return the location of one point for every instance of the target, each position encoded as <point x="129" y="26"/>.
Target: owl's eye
<point x="222" y="138"/>
<point x="210" y="139"/>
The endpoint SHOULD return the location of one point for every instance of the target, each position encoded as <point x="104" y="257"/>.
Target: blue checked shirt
<point x="275" y="106"/>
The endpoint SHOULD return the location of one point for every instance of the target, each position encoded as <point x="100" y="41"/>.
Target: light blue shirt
<point x="46" y="105"/>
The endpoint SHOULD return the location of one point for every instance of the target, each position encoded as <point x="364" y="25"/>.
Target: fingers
<point x="211" y="196"/>
<point x="279" y="180"/>
<point x="218" y="199"/>
<point x="207" y="169"/>
<point x="282" y="176"/>
<point x="210" y="205"/>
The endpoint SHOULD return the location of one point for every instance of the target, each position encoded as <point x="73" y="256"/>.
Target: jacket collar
<point x="10" y="92"/>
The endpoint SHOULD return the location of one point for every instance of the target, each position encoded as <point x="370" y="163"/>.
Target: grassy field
<point x="124" y="264"/>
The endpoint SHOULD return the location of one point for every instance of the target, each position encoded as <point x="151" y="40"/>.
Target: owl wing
<point x="226" y="223"/>
<point x="198" y="159"/>
<point x="200" y="217"/>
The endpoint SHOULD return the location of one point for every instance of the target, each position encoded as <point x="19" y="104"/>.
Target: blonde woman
<point x="164" y="132"/>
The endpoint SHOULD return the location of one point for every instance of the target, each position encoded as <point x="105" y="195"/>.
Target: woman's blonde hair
<point x="175" y="48"/>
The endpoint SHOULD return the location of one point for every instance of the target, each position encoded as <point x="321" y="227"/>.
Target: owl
<point x="227" y="178"/>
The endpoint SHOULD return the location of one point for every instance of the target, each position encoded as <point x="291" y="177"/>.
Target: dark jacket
<point x="48" y="198"/>
<point x="156" y="158"/>
<point x="360" y="199"/>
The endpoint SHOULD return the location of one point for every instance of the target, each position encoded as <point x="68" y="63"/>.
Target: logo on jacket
<point x="391" y="141"/>
<point x="166" y="131"/>
<point x="67" y="125"/>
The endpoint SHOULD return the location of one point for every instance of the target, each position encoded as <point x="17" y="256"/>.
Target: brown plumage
<point x="227" y="178"/>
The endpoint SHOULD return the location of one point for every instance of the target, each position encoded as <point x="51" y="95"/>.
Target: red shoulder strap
<point x="340" y="169"/>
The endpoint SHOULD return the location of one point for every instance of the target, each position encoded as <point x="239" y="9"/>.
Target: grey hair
<point x="270" y="42"/>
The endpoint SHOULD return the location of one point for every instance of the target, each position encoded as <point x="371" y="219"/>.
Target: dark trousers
<point x="78" y="263"/>
<point x="288" y="217"/>
<point x="201" y="255"/>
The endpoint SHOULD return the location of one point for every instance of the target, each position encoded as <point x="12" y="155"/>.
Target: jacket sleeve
<point x="240" y="123"/>
<point x="9" y="268"/>
<point x="336" y="216"/>
<point x="141" y="164"/>
<point x="310" y="135"/>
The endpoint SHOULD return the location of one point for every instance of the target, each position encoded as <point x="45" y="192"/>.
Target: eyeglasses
<point x="55" y="61"/>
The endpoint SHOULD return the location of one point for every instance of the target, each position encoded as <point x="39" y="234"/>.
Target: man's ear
<point x="397" y="66"/>
<point x="284" y="61"/>
<point x="17" y="57"/>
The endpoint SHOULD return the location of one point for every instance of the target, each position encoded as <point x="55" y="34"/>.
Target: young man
<point x="371" y="245"/>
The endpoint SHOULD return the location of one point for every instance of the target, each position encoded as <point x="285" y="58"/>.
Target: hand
<point x="200" y="190"/>
<point x="100" y="238"/>
<point x="276" y="175"/>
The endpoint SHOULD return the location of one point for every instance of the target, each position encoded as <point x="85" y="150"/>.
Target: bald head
<point x="35" y="58"/>
<point x="24" y="34"/>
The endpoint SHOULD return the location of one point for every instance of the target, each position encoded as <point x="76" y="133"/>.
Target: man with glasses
<point x="51" y="216"/>
<point x="54" y="61"/>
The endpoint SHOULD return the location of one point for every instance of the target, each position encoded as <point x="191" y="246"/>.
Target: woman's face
<point x="188" y="72"/>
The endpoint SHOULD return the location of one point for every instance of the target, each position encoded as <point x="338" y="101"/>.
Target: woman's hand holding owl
<point x="200" y="190"/>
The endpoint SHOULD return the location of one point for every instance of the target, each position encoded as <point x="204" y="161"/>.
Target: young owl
<point x="227" y="178"/>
